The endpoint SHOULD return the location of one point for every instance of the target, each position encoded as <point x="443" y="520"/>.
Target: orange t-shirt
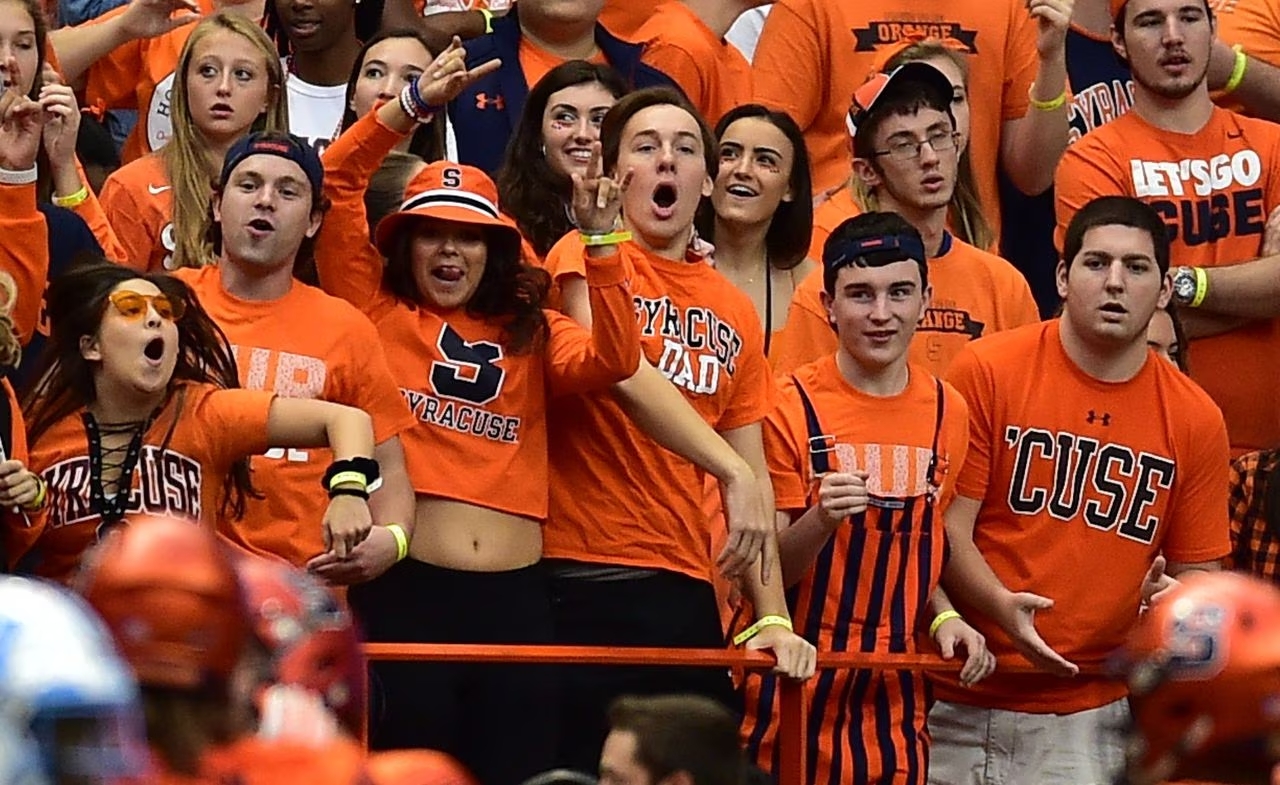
<point x="138" y="201"/>
<point x="1253" y="24"/>
<point x="208" y="429"/>
<point x="1079" y="477"/>
<point x="429" y="7"/>
<point x="617" y="497"/>
<point x="472" y="400"/>
<point x="306" y="344"/>
<point x="868" y="588"/>
<point x="624" y="18"/>
<point x="974" y="294"/>
<point x="1214" y="189"/>
<point x="711" y="71"/>
<point x="813" y="54"/>
<point x="139" y="76"/>
<point x="536" y="62"/>
<point x="24" y="254"/>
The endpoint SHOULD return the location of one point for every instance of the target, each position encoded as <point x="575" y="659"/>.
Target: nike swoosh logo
<point x="157" y="189"/>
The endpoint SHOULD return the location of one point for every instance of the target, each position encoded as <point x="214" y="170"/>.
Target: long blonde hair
<point x="187" y="159"/>
<point x="965" y="216"/>
<point x="10" y="346"/>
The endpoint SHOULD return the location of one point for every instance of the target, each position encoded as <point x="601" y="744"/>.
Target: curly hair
<point x="77" y="301"/>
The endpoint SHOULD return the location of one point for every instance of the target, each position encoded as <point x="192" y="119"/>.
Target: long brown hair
<point x="965" y="216"/>
<point x="533" y="193"/>
<point x="188" y="161"/>
<point x="77" y="301"/>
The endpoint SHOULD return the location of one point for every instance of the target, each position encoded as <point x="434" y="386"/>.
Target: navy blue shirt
<point x="486" y="113"/>
<point x="1102" y="90"/>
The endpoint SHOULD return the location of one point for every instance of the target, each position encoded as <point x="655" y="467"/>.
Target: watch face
<point x="1184" y="285"/>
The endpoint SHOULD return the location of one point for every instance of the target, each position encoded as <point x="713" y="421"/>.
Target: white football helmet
<point x="64" y="688"/>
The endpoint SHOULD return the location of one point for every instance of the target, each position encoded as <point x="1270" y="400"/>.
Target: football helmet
<point x="168" y="591"/>
<point x="311" y="638"/>
<point x="69" y="707"/>
<point x="1203" y="668"/>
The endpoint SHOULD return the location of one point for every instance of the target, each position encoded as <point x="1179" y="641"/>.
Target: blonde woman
<point x="228" y="82"/>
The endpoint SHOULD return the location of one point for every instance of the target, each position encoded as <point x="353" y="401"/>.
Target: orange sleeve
<point x="367" y="383"/>
<point x="1253" y="25"/>
<point x="788" y="42"/>
<point x="784" y="433"/>
<point x="111" y="81"/>
<point x="124" y="216"/>
<point x="348" y="264"/>
<point x="972" y="379"/>
<point x="1020" y="64"/>
<point x="665" y="54"/>
<point x="20" y="530"/>
<point x="955" y="441"/>
<point x="753" y="391"/>
<point x="807" y="336"/>
<point x="24" y="254"/>
<point x="1082" y="176"/>
<point x="236" y="423"/>
<point x="1022" y="305"/>
<point x="95" y="217"/>
<point x="1200" y="509"/>
<point x="580" y="362"/>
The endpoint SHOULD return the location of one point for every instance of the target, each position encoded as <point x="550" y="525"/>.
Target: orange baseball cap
<point x="446" y="191"/>
<point x="880" y="85"/>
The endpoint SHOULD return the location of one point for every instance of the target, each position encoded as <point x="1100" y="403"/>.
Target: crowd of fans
<point x="807" y="326"/>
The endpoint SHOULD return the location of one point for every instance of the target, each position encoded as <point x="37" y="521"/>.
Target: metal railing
<point x="791" y="720"/>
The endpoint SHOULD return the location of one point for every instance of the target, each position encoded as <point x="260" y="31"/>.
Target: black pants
<point x="664" y="610"/>
<point x="499" y="720"/>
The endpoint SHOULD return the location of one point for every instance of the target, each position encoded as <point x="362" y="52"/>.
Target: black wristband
<point x="346" y="491"/>
<point x="366" y="466"/>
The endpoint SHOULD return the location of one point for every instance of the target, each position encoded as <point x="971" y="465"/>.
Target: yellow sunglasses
<point x="133" y="305"/>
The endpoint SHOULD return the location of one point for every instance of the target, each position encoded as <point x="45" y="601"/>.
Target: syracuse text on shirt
<point x="1204" y="201"/>
<point x="467" y="376"/>
<point x="166" y="483"/>
<point x="696" y="343"/>
<point x="1113" y="486"/>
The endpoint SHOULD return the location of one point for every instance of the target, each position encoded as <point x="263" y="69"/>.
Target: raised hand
<point x="1053" y="18"/>
<point x="20" y="124"/>
<point x="61" y="123"/>
<point x="597" y="200"/>
<point x="150" y="18"/>
<point x="448" y="75"/>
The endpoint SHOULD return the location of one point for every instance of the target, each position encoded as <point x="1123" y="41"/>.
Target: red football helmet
<point x="311" y="638"/>
<point x="167" y="589"/>
<point x="1203" y="667"/>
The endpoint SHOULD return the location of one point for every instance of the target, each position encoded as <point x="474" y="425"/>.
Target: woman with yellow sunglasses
<point x="135" y="415"/>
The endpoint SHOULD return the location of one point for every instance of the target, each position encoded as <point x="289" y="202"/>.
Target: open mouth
<point x="448" y="274"/>
<point x="664" y="196"/>
<point x="738" y="189"/>
<point x="1115" y="308"/>
<point x="1179" y="59"/>
<point x="154" y="350"/>
<point x="579" y="155"/>
<point x="261" y="225"/>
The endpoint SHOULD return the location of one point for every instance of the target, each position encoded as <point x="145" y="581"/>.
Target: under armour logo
<point x="1095" y="417"/>
<point x="483" y="102"/>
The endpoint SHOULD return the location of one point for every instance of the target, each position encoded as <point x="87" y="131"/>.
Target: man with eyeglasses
<point x="906" y="159"/>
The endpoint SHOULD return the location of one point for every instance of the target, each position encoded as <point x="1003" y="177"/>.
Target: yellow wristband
<point x="943" y="618"/>
<point x="402" y="540"/>
<point x="1047" y="106"/>
<point x="754" y="629"/>
<point x="488" y="19"/>
<point x="612" y="238"/>
<point x="74" y="199"/>
<point x="1202" y="286"/>
<point x="41" y="496"/>
<point x="348" y="478"/>
<point x="1237" y="71"/>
